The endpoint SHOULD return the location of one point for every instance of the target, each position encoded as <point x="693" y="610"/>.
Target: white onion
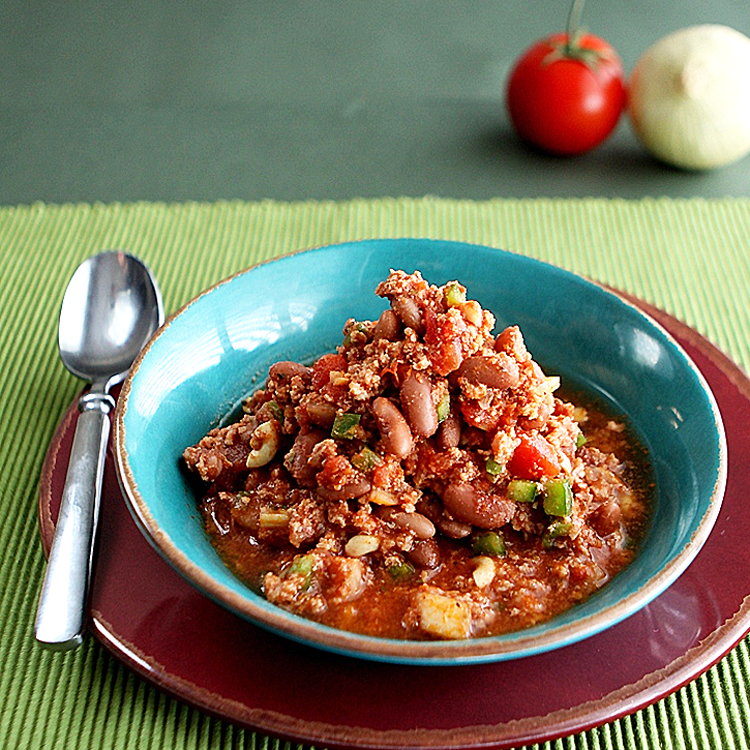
<point x="689" y="97"/>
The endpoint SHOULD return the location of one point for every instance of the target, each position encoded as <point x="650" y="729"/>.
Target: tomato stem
<point x="573" y="25"/>
<point x="570" y="45"/>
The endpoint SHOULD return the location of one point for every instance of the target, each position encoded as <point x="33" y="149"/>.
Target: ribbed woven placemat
<point x="689" y="257"/>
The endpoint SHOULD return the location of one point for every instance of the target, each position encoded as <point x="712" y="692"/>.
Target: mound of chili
<point x="423" y="481"/>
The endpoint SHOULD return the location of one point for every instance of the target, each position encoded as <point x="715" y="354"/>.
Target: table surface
<point x="689" y="257"/>
<point x="205" y="137"/>
<point x="153" y="100"/>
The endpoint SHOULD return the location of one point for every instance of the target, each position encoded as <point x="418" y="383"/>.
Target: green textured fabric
<point x="691" y="258"/>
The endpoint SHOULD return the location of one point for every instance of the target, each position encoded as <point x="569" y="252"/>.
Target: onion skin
<point x="689" y="97"/>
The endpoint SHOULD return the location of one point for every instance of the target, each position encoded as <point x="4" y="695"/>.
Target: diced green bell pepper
<point x="490" y="543"/>
<point x="366" y="459"/>
<point x="522" y="490"/>
<point x="302" y="565"/>
<point x="554" y="531"/>
<point x="345" y="425"/>
<point x="558" y="497"/>
<point x="444" y="407"/>
<point x="455" y="294"/>
<point x="492" y="467"/>
<point x="401" y="572"/>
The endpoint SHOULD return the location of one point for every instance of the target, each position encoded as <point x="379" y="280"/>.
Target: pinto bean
<point x="297" y="459"/>
<point x="482" y="509"/>
<point x="452" y="528"/>
<point x="419" y="525"/>
<point x="408" y="310"/>
<point x="544" y="412"/>
<point x="347" y="491"/>
<point x="500" y="371"/>
<point x="387" y="327"/>
<point x="394" y="429"/>
<point x="288" y="370"/>
<point x="416" y="400"/>
<point x="320" y="412"/>
<point x="606" y="518"/>
<point x="433" y="509"/>
<point x="449" y="432"/>
<point x="425" y="554"/>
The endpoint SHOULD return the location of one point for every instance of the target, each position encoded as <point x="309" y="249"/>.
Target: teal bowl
<point x="218" y="347"/>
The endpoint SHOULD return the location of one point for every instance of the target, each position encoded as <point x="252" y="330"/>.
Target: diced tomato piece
<point x="323" y="367"/>
<point x="336" y="472"/>
<point x="389" y="475"/>
<point x="478" y="416"/>
<point x="443" y="334"/>
<point x="533" y="458"/>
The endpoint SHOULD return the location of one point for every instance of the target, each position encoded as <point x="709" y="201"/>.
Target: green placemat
<point x="690" y="257"/>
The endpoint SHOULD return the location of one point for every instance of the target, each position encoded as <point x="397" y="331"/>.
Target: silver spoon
<point x="111" y="308"/>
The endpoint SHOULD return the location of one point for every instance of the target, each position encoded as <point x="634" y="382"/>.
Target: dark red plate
<point x="163" y="629"/>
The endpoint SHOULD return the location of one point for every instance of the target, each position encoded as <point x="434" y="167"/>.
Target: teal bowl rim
<point x="517" y="644"/>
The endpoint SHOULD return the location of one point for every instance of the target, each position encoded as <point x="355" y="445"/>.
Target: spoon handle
<point x="62" y="604"/>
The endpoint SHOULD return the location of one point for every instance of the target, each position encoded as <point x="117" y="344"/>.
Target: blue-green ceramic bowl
<point x="218" y="348"/>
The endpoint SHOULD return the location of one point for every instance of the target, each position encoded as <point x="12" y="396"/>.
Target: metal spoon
<point x="110" y="309"/>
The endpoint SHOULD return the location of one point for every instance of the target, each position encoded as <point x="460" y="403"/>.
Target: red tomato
<point x="533" y="458"/>
<point x="443" y="336"/>
<point x="566" y="101"/>
<point x="323" y="367"/>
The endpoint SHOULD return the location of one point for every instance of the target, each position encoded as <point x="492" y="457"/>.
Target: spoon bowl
<point x="111" y="308"/>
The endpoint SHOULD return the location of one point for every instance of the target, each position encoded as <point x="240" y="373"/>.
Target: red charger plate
<point x="162" y="628"/>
